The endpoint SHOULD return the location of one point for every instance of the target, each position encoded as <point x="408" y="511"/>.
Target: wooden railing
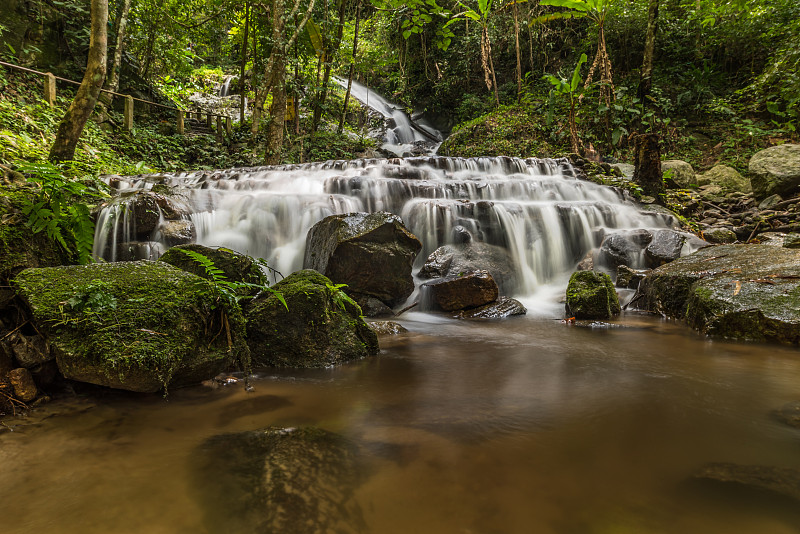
<point x="127" y="121"/>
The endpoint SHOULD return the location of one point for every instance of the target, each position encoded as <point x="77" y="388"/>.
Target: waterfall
<point x="225" y="86"/>
<point x="401" y="132"/>
<point x="536" y="209"/>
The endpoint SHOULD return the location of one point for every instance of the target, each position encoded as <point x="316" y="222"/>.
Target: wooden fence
<point x="127" y="122"/>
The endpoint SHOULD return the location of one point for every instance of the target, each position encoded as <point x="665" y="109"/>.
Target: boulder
<point x="747" y="292"/>
<point x="623" y="248"/>
<point x="30" y="351"/>
<point x="287" y="480"/>
<point x="452" y="260"/>
<point x="470" y="290"/>
<point x="779" y="480"/>
<point x="591" y="295"/>
<point x="665" y="246"/>
<point x="235" y="267"/>
<point x="139" y="326"/>
<point x="500" y="309"/>
<point x="371" y="253"/>
<point x="387" y="328"/>
<point x="628" y="278"/>
<point x="719" y="235"/>
<point x="725" y="177"/>
<point x="321" y="327"/>
<point x="23" y="384"/>
<point x="678" y="174"/>
<point x="178" y="232"/>
<point x="775" y="171"/>
<point x="372" y="307"/>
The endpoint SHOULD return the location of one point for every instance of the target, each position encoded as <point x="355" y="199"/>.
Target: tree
<point x="112" y="80"/>
<point x="71" y="126"/>
<point x="646" y="83"/>
<point x="482" y="16"/>
<point x="569" y="88"/>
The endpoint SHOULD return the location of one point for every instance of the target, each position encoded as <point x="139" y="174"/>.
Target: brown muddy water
<point x="519" y="426"/>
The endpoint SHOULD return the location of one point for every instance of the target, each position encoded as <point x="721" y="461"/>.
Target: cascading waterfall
<point x="537" y="209"/>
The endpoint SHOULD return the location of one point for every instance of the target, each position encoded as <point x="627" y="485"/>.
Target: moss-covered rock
<point x="321" y="326"/>
<point x="591" y="295"/>
<point x="235" y="266"/>
<point x="775" y="170"/>
<point x="725" y="177"/>
<point x="19" y="248"/>
<point x="748" y="292"/>
<point x="138" y="326"/>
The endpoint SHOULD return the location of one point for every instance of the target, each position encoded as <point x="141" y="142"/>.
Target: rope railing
<point x="50" y="98"/>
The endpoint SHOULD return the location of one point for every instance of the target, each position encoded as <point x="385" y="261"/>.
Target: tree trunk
<point x="647" y="161"/>
<point x="71" y="126"/>
<point x="519" y="61"/>
<point x="352" y="69"/>
<point x="277" y="78"/>
<point x="242" y="92"/>
<point x="112" y="81"/>
<point x="330" y="51"/>
<point x="646" y="84"/>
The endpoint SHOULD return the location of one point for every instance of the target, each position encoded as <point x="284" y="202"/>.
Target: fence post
<point x="228" y="126"/>
<point x="219" y="128"/>
<point x="210" y="121"/>
<point x="50" y="89"/>
<point x="180" y="122"/>
<point x="127" y="119"/>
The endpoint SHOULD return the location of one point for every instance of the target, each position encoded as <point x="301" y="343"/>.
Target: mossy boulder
<point x="591" y="295"/>
<point x="678" y="174"/>
<point x="372" y="253"/>
<point x="726" y="178"/>
<point x="775" y="170"/>
<point x="236" y="267"/>
<point x="19" y="247"/>
<point x="138" y="326"/>
<point x="282" y="480"/>
<point x="747" y="292"/>
<point x="320" y="328"/>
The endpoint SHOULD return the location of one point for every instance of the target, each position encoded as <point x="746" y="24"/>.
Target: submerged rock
<point x="779" y="480"/>
<point x="371" y="253"/>
<point x="500" y="309"/>
<point x="789" y="414"/>
<point x="387" y="328"/>
<point x="775" y="170"/>
<point x="470" y="290"/>
<point x="138" y="326"/>
<point x="749" y="292"/>
<point x="281" y="480"/>
<point x="321" y="327"/>
<point x="451" y="260"/>
<point x="591" y="295"/>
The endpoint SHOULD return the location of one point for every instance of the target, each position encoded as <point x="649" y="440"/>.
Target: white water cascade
<point x="537" y="209"/>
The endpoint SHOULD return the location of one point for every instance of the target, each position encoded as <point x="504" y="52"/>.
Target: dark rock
<point x="6" y="297"/>
<point x="623" y="248"/>
<point x="775" y="171"/>
<point x="666" y="246"/>
<point x="371" y="253"/>
<point x="719" y="235"/>
<point x="591" y="295"/>
<point x="734" y="291"/>
<point x="281" y="480"/>
<point x="452" y="260"/>
<point x="146" y="209"/>
<point x="320" y="328"/>
<point x="790" y="414"/>
<point x="23" y="384"/>
<point x="782" y="481"/>
<point x="587" y="263"/>
<point x="461" y="235"/>
<point x="138" y="326"/>
<point x="472" y="289"/>
<point x="179" y="232"/>
<point x="30" y="351"/>
<point x="372" y="307"/>
<point x="630" y="278"/>
<point x="500" y="309"/>
<point x="235" y="267"/>
<point x="387" y="328"/>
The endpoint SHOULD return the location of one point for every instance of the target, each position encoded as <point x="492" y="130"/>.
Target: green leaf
<point x="406" y="34"/>
<point x="576" y="74"/>
<point x="577" y="5"/>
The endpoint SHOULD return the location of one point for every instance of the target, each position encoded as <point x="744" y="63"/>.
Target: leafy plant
<point x="340" y="298"/>
<point x="59" y="208"/>
<point x="568" y="88"/>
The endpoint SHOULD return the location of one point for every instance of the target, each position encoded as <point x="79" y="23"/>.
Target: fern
<point x="340" y="298"/>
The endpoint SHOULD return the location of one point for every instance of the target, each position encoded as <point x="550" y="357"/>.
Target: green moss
<point x="591" y="295"/>
<point x="235" y="266"/>
<point x="165" y="326"/>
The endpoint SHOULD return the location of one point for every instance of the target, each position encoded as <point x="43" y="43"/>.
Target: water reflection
<point x="516" y="426"/>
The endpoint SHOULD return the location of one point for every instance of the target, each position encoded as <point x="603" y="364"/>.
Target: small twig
<point x="753" y="233"/>
<point x="723" y="210"/>
<point x="13" y="331"/>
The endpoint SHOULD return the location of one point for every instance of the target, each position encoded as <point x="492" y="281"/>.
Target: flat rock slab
<point x="500" y="309"/>
<point x="748" y="292"/>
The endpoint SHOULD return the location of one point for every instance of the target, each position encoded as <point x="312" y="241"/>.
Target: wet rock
<point x="23" y="384"/>
<point x="138" y="250"/>
<point x="371" y="253"/>
<point x="179" y="232"/>
<point x="719" y="235"/>
<point x="727" y="178"/>
<point x="587" y="263"/>
<point x="470" y="290"/>
<point x="287" y="480"/>
<point x="6" y="297"/>
<point x="747" y="292"/>
<point x="779" y="480"/>
<point x="387" y="328"/>
<point x="452" y="260"/>
<point x="775" y="170"/>
<point x="769" y="202"/>
<point x="678" y="174"/>
<point x="236" y="267"/>
<point x="623" y="248"/>
<point x="791" y="240"/>
<point x="320" y="328"/>
<point x="147" y="209"/>
<point x="500" y="309"/>
<point x="372" y="307"/>
<point x="790" y="414"/>
<point x="630" y="278"/>
<point x="591" y="295"/>
<point x="30" y="351"/>
<point x="665" y="246"/>
<point x="138" y="326"/>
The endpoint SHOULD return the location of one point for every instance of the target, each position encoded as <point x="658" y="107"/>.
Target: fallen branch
<point x="401" y="312"/>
